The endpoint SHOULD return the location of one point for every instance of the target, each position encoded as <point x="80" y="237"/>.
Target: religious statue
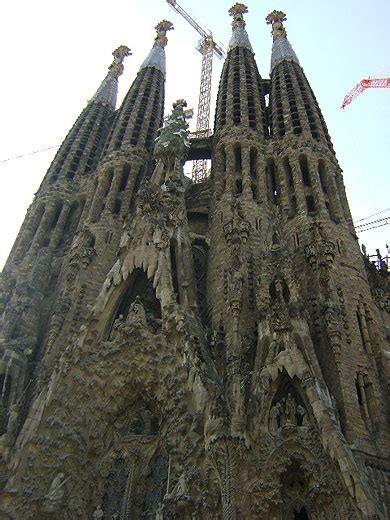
<point x="137" y="312"/>
<point x="302" y="414"/>
<point x="54" y="497"/>
<point x="273" y="350"/>
<point x="98" y="514"/>
<point x="274" y="416"/>
<point x="290" y="409"/>
<point x="180" y="489"/>
<point x="12" y="427"/>
<point x="160" y="512"/>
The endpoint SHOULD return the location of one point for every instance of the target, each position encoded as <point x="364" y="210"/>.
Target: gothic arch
<point x="137" y="284"/>
<point x="289" y="405"/>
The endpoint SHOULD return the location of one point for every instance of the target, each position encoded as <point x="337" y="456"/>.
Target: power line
<point x="373" y="227"/>
<point x="29" y="153"/>
<point x="372" y="222"/>
<point x="373" y="215"/>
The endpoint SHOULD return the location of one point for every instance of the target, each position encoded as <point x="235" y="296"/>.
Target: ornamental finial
<point x="116" y="67"/>
<point x="162" y="28"/>
<point x="276" y="19"/>
<point x="237" y="11"/>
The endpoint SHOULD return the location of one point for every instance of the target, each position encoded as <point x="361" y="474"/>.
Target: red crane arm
<point x="362" y="86"/>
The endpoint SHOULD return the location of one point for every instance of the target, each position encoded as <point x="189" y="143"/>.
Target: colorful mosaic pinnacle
<point x="116" y="68"/>
<point x="237" y="12"/>
<point x="162" y="28"/>
<point x="276" y="19"/>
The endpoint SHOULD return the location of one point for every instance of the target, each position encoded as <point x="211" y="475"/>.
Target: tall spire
<point x="82" y="146"/>
<point x="140" y="115"/>
<point x="240" y="36"/>
<point x="108" y="90"/>
<point x="156" y="57"/>
<point x="240" y="101"/>
<point x="281" y="49"/>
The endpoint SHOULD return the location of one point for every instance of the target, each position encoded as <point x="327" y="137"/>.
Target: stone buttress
<point x="30" y="279"/>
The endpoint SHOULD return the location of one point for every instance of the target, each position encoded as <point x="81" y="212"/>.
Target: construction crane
<point x="207" y="47"/>
<point x="363" y="85"/>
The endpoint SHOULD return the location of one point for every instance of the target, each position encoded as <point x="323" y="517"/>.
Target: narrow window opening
<point x="253" y="163"/>
<point x="223" y="153"/>
<point x="322" y="175"/>
<point x="254" y="191"/>
<point x="238" y="187"/>
<point x="125" y="177"/>
<point x="311" y="206"/>
<point x="272" y="186"/>
<point x="359" y="394"/>
<point x="56" y="216"/>
<point x="117" y="207"/>
<point x="237" y="159"/>
<point x="175" y="280"/>
<point x="360" y="326"/>
<point x="109" y="181"/>
<point x="304" y="170"/>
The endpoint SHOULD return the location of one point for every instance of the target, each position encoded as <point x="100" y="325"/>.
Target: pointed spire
<point x="108" y="90"/>
<point x="281" y="48"/>
<point x="240" y="36"/>
<point x="156" y="57"/>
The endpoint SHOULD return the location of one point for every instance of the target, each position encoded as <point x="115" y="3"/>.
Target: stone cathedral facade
<point x="172" y="350"/>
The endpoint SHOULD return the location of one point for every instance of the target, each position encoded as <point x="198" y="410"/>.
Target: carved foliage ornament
<point x="162" y="28"/>
<point x="237" y="11"/>
<point x="276" y="19"/>
<point x="116" y="67"/>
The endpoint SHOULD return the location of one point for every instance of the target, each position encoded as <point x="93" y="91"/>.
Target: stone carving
<point x="286" y="412"/>
<point x="116" y="68"/>
<point x="53" y="500"/>
<point x="98" y="513"/>
<point x="276" y="19"/>
<point x="162" y="28"/>
<point x="274" y="417"/>
<point x="172" y="144"/>
<point x="320" y="252"/>
<point x="137" y="312"/>
<point x="237" y="230"/>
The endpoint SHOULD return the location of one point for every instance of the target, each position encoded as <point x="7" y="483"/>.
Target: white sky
<point x="55" y="54"/>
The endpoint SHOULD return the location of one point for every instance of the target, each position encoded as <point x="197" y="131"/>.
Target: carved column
<point x="224" y="459"/>
<point x="59" y="229"/>
<point x="296" y="171"/>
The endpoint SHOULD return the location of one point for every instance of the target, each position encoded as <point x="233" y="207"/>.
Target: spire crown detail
<point x="162" y="28"/>
<point x="156" y="57"/>
<point x="281" y="48"/>
<point x="237" y="12"/>
<point x="240" y="36"/>
<point x="107" y="92"/>
<point x="116" y="67"/>
<point x="276" y="19"/>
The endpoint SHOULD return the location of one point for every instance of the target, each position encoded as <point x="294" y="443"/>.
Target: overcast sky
<point x="55" y="54"/>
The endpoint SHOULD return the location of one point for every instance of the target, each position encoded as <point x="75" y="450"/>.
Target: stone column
<point x="60" y="227"/>
<point x="317" y="188"/>
<point x="298" y="185"/>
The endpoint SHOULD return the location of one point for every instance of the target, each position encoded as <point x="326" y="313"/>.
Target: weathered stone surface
<point x="210" y="351"/>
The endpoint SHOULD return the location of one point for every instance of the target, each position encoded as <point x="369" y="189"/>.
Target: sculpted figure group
<point x="286" y="412"/>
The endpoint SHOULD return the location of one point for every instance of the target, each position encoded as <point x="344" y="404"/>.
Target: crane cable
<point x="29" y="153"/>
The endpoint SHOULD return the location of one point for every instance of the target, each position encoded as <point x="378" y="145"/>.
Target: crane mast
<point x="207" y="47"/>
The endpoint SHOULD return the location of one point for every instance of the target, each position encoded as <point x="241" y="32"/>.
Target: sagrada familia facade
<point x="180" y="350"/>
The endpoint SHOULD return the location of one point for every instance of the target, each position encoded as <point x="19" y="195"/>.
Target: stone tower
<point x="179" y="350"/>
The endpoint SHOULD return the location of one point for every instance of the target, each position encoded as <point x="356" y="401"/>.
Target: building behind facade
<point x="195" y="351"/>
